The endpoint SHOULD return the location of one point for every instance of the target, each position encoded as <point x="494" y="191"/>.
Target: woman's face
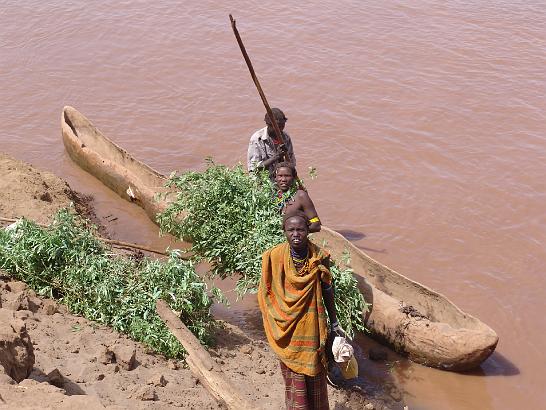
<point x="296" y="230"/>
<point x="284" y="178"/>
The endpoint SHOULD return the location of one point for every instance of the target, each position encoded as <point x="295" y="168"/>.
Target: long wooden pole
<point x="278" y="132"/>
<point x="202" y="365"/>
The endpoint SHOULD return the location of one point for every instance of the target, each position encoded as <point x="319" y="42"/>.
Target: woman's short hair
<point x="286" y="164"/>
<point x="295" y="214"/>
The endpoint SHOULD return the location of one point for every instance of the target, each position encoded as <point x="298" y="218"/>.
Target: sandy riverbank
<point x="81" y="351"/>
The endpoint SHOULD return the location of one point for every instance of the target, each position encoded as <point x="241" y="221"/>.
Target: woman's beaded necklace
<point x="283" y="198"/>
<point x="300" y="263"/>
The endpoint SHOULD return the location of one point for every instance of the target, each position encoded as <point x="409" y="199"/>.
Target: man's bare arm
<point x="308" y="208"/>
<point x="265" y="164"/>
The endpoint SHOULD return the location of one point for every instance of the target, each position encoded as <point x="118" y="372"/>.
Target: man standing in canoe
<point x="294" y="294"/>
<point x="264" y="150"/>
<point x="291" y="197"/>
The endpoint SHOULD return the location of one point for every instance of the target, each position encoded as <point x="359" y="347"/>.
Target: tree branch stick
<point x="278" y="132"/>
<point x="201" y="364"/>
<point x="113" y="242"/>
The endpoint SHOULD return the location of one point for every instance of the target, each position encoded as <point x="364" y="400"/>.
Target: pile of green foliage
<point x="231" y="220"/>
<point x="66" y="261"/>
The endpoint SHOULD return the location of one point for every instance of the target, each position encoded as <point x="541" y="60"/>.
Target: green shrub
<point x="67" y="262"/>
<point x="231" y="220"/>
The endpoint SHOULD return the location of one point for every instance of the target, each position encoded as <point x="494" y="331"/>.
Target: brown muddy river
<point x="425" y="120"/>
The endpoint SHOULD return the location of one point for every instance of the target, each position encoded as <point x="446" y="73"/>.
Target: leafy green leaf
<point x="68" y="262"/>
<point x="231" y="219"/>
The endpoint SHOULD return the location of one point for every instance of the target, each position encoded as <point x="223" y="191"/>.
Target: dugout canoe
<point x="112" y="165"/>
<point x="411" y="318"/>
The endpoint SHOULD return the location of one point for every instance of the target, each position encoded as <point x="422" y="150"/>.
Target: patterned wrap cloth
<point x="292" y="308"/>
<point x="304" y="392"/>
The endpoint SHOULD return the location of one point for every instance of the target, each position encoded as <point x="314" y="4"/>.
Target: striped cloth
<point x="305" y="392"/>
<point x="292" y="308"/>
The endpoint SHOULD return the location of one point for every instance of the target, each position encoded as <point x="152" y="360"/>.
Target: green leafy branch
<point x="231" y="219"/>
<point x="67" y="262"/>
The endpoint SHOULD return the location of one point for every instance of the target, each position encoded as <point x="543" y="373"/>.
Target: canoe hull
<point x="411" y="318"/>
<point x="434" y="332"/>
<point x="112" y="165"/>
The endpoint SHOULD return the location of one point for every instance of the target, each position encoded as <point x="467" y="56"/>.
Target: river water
<point x="425" y="120"/>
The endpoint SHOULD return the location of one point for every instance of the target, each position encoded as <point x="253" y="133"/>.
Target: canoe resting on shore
<point x="414" y="320"/>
